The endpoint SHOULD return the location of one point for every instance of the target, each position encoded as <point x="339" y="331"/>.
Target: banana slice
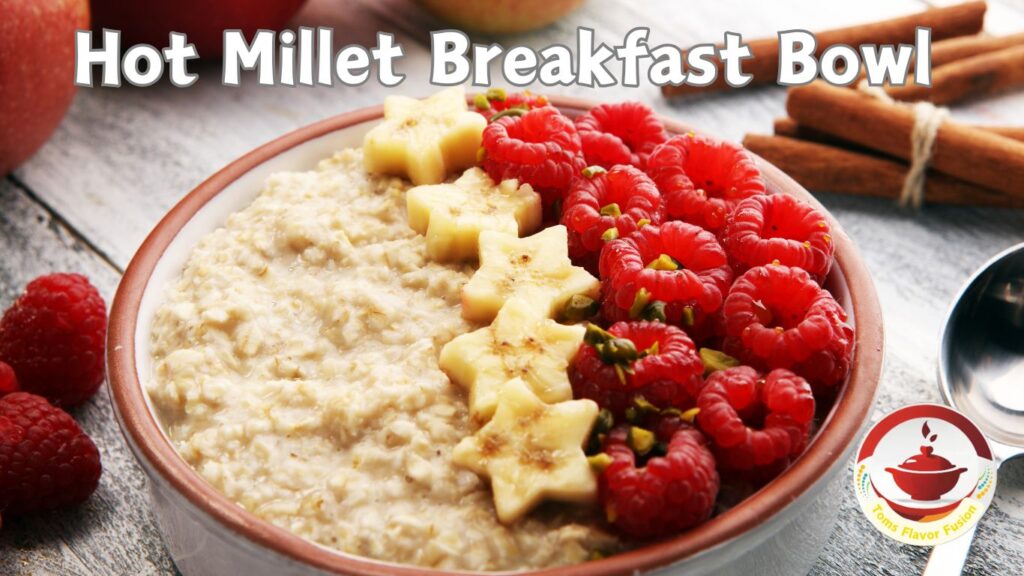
<point x="532" y="451"/>
<point x="453" y="215"/>
<point x="536" y="268"/>
<point x="520" y="343"/>
<point x="424" y="140"/>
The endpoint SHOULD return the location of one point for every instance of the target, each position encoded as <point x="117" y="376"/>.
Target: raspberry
<point x="8" y="381"/>
<point x="623" y="133"/>
<point x="46" y="461"/>
<point x="702" y="179"/>
<point x="778" y="228"/>
<point x="670" y="493"/>
<point x="540" y="148"/>
<point x="778" y="317"/>
<point x="677" y="264"/>
<point x="495" y="101"/>
<point x="754" y="422"/>
<point x="631" y="360"/>
<point x="53" y="337"/>
<point x="620" y="199"/>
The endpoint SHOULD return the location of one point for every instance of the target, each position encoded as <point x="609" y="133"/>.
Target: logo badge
<point x="924" y="475"/>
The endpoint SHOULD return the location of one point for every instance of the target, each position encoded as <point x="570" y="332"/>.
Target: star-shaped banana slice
<point x="424" y="140"/>
<point x="521" y="343"/>
<point x="536" y="268"/>
<point x="452" y="216"/>
<point x="532" y="451"/>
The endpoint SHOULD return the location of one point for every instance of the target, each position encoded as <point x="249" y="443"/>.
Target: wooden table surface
<point x="122" y="157"/>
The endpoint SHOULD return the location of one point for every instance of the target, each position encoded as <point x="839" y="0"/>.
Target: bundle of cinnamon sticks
<point x="844" y="140"/>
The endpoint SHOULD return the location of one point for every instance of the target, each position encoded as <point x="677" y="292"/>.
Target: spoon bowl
<point x="981" y="360"/>
<point x="981" y="372"/>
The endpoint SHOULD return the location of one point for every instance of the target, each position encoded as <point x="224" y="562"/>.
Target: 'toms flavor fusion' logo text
<point x="924" y="475"/>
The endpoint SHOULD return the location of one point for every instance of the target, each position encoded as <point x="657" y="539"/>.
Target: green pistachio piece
<point x="580" y="308"/>
<point x="715" y="360"/>
<point x="664" y="262"/>
<point x="641" y="440"/>
<point x="640" y="301"/>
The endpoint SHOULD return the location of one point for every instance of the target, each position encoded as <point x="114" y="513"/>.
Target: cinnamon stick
<point x="790" y="128"/>
<point x="826" y="168"/>
<point x="952" y="49"/>
<point x="973" y="155"/>
<point x="974" y="77"/>
<point x="949" y="22"/>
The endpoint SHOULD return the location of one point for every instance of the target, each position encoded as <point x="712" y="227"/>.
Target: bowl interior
<point x="166" y="252"/>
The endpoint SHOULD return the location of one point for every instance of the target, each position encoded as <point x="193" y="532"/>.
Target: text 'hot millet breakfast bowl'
<point x="501" y="334"/>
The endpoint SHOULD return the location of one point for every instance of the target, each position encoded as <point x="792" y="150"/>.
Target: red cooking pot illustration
<point x="926" y="476"/>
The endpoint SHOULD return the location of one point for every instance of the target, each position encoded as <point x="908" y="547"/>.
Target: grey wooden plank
<point x="114" y="531"/>
<point x="918" y="262"/>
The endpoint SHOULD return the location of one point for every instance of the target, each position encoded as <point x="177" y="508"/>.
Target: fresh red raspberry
<point x="621" y="200"/>
<point x="678" y="264"/>
<point x="540" y="148"/>
<point x="703" y="179"/>
<point x="668" y="494"/>
<point x="46" y="461"/>
<point x="497" y="101"/>
<point x="637" y="359"/>
<point x="778" y="228"/>
<point x="778" y="317"/>
<point x="623" y="133"/>
<point x="8" y="381"/>
<point x="754" y="422"/>
<point x="53" y="337"/>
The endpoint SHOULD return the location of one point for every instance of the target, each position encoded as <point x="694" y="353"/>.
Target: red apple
<point x="500" y="16"/>
<point x="37" y="66"/>
<point x="204" y="21"/>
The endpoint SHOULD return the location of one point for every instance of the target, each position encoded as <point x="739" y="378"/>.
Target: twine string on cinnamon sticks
<point x="927" y="120"/>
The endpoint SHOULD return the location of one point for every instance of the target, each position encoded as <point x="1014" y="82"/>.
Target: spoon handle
<point x="948" y="559"/>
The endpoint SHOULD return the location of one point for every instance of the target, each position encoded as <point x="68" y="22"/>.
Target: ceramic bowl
<point x="778" y="530"/>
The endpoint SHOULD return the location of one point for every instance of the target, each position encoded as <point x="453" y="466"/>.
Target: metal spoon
<point x="981" y="372"/>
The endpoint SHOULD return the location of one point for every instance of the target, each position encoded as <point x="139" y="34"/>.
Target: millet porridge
<point x="296" y="369"/>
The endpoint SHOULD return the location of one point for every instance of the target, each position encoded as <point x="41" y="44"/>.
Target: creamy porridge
<point x="296" y="369"/>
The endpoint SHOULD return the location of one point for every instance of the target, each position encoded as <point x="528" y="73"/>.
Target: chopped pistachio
<point x="715" y="360"/>
<point x="642" y="222"/>
<point x="655" y="311"/>
<point x="580" y="308"/>
<point x="498" y="94"/>
<point x="664" y="262"/>
<point x="640" y="301"/>
<point x="481" y="102"/>
<point x="652" y="349"/>
<point x="591" y="171"/>
<point x="610" y="234"/>
<point x="640" y="440"/>
<point x="621" y="373"/>
<point x="632" y="415"/>
<point x="690" y="415"/>
<point x="596" y="335"/>
<point x="605" y="421"/>
<point x="688" y="316"/>
<point x="611" y="210"/>
<point x="644" y="406"/>
<point x="517" y="111"/>
<point x="599" y="461"/>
